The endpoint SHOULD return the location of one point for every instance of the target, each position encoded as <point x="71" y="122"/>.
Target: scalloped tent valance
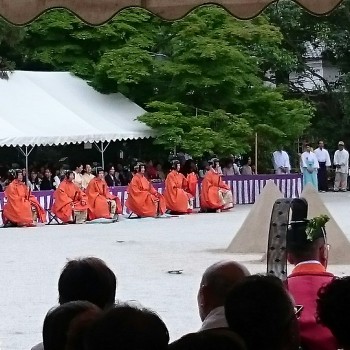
<point x="99" y="11"/>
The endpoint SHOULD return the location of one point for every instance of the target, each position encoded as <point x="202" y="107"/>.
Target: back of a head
<point x="222" y="276"/>
<point x="218" y="339"/>
<point x="333" y="309"/>
<point x="58" y="320"/>
<point x="260" y="311"/>
<point x="87" y="279"/>
<point x="128" y="328"/>
<point x="301" y="246"/>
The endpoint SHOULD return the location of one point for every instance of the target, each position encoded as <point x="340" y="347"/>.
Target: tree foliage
<point x="201" y="79"/>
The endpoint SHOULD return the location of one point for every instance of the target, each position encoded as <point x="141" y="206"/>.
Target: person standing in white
<point x="341" y="163"/>
<point x="324" y="162"/>
<point x="281" y="162"/>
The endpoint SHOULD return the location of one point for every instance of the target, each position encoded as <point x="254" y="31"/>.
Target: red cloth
<point x="176" y="197"/>
<point x="18" y="208"/>
<point x="68" y="196"/>
<point x="98" y="194"/>
<point x="303" y="284"/>
<point x="211" y="185"/>
<point x="142" y="197"/>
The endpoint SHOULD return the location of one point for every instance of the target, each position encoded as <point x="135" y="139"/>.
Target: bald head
<point x="217" y="282"/>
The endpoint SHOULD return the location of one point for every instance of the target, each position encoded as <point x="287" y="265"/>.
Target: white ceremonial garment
<point x="307" y="157"/>
<point x="323" y="156"/>
<point x="281" y="160"/>
<point x="341" y="158"/>
<point x="215" y="319"/>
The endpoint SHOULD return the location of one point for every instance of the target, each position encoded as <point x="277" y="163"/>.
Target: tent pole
<point x="27" y="174"/>
<point x="102" y="156"/>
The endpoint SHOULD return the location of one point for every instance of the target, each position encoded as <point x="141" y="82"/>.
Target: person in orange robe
<point x="309" y="254"/>
<point x="215" y="194"/>
<point x="192" y="179"/>
<point x="70" y="204"/>
<point x="101" y="203"/>
<point x="177" y="199"/>
<point x="143" y="199"/>
<point x="22" y="208"/>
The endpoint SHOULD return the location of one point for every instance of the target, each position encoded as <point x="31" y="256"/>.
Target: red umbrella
<point x="99" y="11"/>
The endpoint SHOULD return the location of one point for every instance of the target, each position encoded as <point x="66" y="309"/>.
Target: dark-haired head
<point x="260" y="310"/>
<point x="214" y="339"/>
<point x="58" y="320"/>
<point x="128" y="328"/>
<point x="87" y="279"/>
<point x="333" y="309"/>
<point x="300" y="248"/>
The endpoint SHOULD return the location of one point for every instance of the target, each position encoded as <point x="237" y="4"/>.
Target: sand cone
<point x="252" y="237"/>
<point x="340" y="245"/>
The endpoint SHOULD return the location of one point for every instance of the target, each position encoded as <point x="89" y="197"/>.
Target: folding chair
<point x="50" y="215"/>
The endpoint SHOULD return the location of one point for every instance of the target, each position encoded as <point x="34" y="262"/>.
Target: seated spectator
<point x="47" y="183"/>
<point x="261" y="312"/>
<point x="151" y="171"/>
<point x="122" y="175"/>
<point x="34" y="182"/>
<point x="218" y="339"/>
<point x="128" y="328"/>
<point x="160" y="173"/>
<point x="230" y="169"/>
<point x="216" y="283"/>
<point x="247" y="168"/>
<point x="87" y="279"/>
<point x="58" y="320"/>
<point x="110" y="178"/>
<point x="87" y="176"/>
<point x="333" y="309"/>
<point x="205" y="167"/>
<point x="78" y="177"/>
<point x="309" y="254"/>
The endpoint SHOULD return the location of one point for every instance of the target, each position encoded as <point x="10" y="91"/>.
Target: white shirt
<point x="215" y="319"/>
<point x="323" y="156"/>
<point x="308" y="262"/>
<point x="309" y="156"/>
<point x="341" y="158"/>
<point x="281" y="160"/>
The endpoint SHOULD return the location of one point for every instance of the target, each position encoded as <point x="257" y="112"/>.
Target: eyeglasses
<point x="297" y="310"/>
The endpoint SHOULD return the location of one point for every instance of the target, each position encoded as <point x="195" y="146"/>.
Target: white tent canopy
<point x="53" y="108"/>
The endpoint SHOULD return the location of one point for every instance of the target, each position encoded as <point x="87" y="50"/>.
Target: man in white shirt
<point x="217" y="281"/>
<point x="324" y="161"/>
<point x="341" y="163"/>
<point x="281" y="162"/>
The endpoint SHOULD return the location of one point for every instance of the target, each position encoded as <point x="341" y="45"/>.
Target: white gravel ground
<point x="31" y="260"/>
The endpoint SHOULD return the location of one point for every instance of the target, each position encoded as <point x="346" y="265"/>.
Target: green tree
<point x="10" y="48"/>
<point x="207" y="61"/>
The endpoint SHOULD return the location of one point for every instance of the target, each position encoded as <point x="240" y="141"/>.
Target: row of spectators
<point x="239" y="312"/>
<point x="47" y="178"/>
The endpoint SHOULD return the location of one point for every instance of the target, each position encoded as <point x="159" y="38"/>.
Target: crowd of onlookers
<point x="238" y="312"/>
<point x="47" y="177"/>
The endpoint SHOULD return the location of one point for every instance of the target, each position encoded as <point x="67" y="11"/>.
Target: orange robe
<point x="68" y="196"/>
<point x="192" y="180"/>
<point x="209" y="197"/>
<point x="176" y="198"/>
<point x="143" y="198"/>
<point x="18" y="208"/>
<point x="98" y="196"/>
